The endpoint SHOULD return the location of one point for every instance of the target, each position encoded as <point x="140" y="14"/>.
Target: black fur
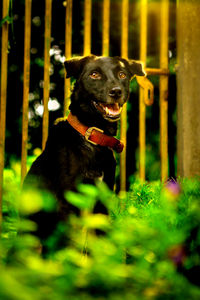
<point x="68" y="158"/>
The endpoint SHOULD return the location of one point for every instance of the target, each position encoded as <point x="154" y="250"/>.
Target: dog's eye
<point x="122" y="75"/>
<point x="95" y="75"/>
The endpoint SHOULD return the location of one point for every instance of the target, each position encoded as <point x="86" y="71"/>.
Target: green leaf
<point x="39" y="62"/>
<point x="79" y="200"/>
<point x="32" y="201"/>
<point x="26" y="225"/>
<point x="96" y="221"/>
<point x="88" y="189"/>
<point x="7" y="19"/>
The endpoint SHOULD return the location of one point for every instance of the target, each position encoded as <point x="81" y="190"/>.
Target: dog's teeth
<point x="107" y="111"/>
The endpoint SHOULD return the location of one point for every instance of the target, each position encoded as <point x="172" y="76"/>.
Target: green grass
<point x="150" y="231"/>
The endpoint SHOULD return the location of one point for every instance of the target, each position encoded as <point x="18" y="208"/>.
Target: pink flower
<point x="173" y="187"/>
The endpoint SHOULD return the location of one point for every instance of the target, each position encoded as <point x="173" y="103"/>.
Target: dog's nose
<point x="115" y="92"/>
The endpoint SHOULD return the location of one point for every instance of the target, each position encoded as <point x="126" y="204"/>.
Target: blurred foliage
<point x="149" y="248"/>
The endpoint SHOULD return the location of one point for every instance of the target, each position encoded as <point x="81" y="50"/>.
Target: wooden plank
<point x="156" y="71"/>
<point x="47" y="45"/>
<point x="164" y="89"/>
<point x="142" y="106"/>
<point x="123" y="127"/>
<point x="4" y="66"/>
<point x="68" y="53"/>
<point x="27" y="44"/>
<point x="87" y="27"/>
<point x="106" y="28"/>
<point x="188" y="89"/>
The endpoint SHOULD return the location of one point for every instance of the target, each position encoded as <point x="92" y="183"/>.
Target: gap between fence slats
<point x="164" y="89"/>
<point x="142" y="106"/>
<point x="4" y="67"/>
<point x="68" y="53"/>
<point x="123" y="127"/>
<point x="27" y="43"/>
<point x="47" y="45"/>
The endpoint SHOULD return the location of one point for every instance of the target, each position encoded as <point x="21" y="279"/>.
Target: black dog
<point x="79" y="149"/>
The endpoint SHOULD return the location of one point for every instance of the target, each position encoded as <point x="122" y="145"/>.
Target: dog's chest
<point x="94" y="161"/>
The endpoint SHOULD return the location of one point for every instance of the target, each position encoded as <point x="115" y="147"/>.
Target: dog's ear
<point x="74" y="66"/>
<point x="137" y="68"/>
<point x="134" y="67"/>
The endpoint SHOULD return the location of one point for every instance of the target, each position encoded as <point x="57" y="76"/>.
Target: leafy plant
<point x="148" y="247"/>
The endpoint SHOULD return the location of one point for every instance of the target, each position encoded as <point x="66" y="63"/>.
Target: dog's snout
<point x="115" y="92"/>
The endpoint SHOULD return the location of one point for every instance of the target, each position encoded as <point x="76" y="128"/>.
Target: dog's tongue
<point x="112" y="109"/>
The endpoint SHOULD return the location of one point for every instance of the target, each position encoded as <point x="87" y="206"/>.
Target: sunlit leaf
<point x="89" y="190"/>
<point x="79" y="200"/>
<point x="48" y="267"/>
<point x="98" y="221"/>
<point x="32" y="201"/>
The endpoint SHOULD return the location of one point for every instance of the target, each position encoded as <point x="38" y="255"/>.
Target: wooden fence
<point x="146" y="87"/>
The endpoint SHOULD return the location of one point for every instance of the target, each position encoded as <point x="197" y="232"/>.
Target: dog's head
<point x="102" y="84"/>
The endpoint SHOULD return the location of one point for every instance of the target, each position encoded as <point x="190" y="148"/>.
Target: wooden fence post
<point x="188" y="140"/>
<point x="68" y="53"/>
<point x="164" y="89"/>
<point x="123" y="127"/>
<point x="142" y="106"/>
<point x="47" y="46"/>
<point x="27" y="44"/>
<point x="4" y="65"/>
<point x="87" y="27"/>
<point x="106" y="28"/>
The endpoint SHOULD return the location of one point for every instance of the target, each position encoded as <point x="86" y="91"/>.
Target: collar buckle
<point x="89" y="132"/>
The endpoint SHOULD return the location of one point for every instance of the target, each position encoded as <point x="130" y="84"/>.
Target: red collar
<point x="95" y="135"/>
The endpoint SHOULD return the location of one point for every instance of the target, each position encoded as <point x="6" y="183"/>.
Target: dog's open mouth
<point x="110" y="111"/>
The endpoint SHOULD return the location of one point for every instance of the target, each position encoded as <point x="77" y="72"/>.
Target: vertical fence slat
<point x="106" y="28"/>
<point x="164" y="89"/>
<point x="123" y="128"/>
<point x="47" y="45"/>
<point x="87" y="27"/>
<point x="4" y="63"/>
<point x="27" y="43"/>
<point x="68" y="52"/>
<point x="142" y="107"/>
